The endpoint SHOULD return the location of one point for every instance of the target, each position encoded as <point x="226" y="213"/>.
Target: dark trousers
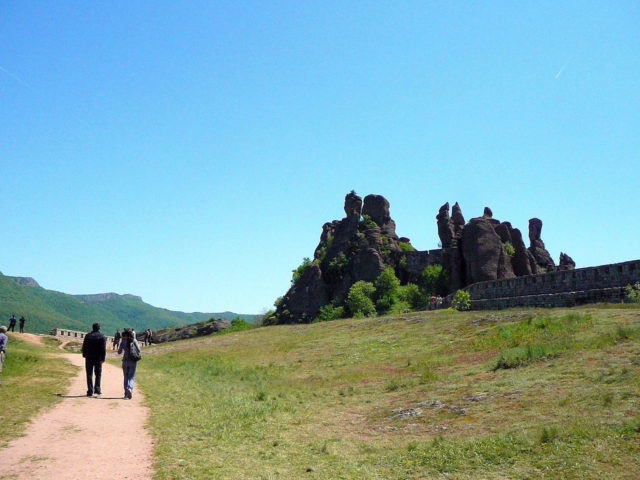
<point x="93" y="366"/>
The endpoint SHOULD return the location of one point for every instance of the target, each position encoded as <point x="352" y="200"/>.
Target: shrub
<point x="434" y="280"/>
<point x="522" y="356"/>
<point x="461" y="300"/>
<point x="632" y="293"/>
<point x="298" y="272"/>
<point x="359" y="300"/>
<point x="406" y="247"/>
<point x="508" y="247"/>
<point x="329" y="312"/>
<point x="413" y="296"/>
<point x="387" y="284"/>
<point x="338" y="265"/>
<point x="399" y="307"/>
<point x="239" y="324"/>
<point x="367" y="223"/>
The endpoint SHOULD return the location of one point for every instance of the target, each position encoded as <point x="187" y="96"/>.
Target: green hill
<point x="46" y="309"/>
<point x="517" y="394"/>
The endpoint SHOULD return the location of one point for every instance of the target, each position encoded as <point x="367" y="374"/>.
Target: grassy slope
<point x="47" y="309"/>
<point x="31" y="378"/>
<point x="414" y="396"/>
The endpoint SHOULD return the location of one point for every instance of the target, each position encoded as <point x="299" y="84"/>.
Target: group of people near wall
<point x="94" y="351"/>
<point x="13" y="321"/>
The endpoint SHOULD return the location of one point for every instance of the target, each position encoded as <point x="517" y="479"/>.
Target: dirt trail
<point x="84" y="437"/>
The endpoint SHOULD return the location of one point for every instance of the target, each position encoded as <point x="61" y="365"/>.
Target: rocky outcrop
<point x="191" y="331"/>
<point x="358" y="247"/>
<point x="566" y="262"/>
<point x="305" y="298"/>
<point x="522" y="258"/>
<point x="25" y="281"/>
<point x="543" y="261"/>
<point x="487" y="249"/>
<point x="104" y="297"/>
<point x="377" y="208"/>
<point x="362" y="244"/>
<point x="484" y="252"/>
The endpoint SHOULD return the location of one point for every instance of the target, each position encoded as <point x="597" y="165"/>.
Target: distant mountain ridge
<point x="47" y="309"/>
<point x="103" y="297"/>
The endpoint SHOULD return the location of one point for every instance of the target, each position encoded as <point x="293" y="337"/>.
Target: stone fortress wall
<point x="72" y="335"/>
<point x="604" y="283"/>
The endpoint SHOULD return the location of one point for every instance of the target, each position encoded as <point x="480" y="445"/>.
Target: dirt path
<point x="83" y="437"/>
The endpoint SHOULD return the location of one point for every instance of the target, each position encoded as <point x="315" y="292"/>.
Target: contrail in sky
<point x="561" y="70"/>
<point x="15" y="77"/>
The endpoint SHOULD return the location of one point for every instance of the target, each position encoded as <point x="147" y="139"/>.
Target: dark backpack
<point x="134" y="352"/>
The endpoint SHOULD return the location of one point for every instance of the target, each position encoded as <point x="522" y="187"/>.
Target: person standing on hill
<point x="12" y="323"/>
<point x="22" y="320"/>
<point x="94" y="351"/>
<point x="129" y="346"/>
<point x="3" y="345"/>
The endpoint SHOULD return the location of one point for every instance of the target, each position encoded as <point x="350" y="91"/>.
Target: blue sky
<point x="190" y="152"/>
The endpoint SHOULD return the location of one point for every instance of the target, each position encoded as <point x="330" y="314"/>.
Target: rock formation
<point x="484" y="252"/>
<point x="358" y="247"/>
<point x="566" y="262"/>
<point x="543" y="261"/>
<point x="364" y="243"/>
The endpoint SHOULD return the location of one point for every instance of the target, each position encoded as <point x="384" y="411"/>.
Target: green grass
<point x="31" y="379"/>
<point x="403" y="397"/>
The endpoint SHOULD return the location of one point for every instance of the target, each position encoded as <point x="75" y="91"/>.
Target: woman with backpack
<point x="129" y="346"/>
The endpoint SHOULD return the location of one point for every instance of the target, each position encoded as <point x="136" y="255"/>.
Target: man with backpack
<point x="94" y="351"/>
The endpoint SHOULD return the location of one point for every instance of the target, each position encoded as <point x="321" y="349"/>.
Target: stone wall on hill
<point x="604" y="283"/>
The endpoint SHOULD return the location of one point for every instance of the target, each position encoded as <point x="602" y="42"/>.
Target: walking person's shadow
<point x="84" y="396"/>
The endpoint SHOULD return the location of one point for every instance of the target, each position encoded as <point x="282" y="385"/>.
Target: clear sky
<point x="190" y="152"/>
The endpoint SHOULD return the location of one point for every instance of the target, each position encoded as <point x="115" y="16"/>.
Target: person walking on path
<point x="116" y="339"/>
<point x="22" y="320"/>
<point x="12" y="323"/>
<point x="147" y="337"/>
<point x="94" y="351"/>
<point x="3" y="345"/>
<point x="131" y="354"/>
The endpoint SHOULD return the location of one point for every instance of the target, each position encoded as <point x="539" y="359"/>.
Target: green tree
<point x="413" y="296"/>
<point x="435" y="280"/>
<point x="387" y="283"/>
<point x="386" y="294"/>
<point x="360" y="299"/>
